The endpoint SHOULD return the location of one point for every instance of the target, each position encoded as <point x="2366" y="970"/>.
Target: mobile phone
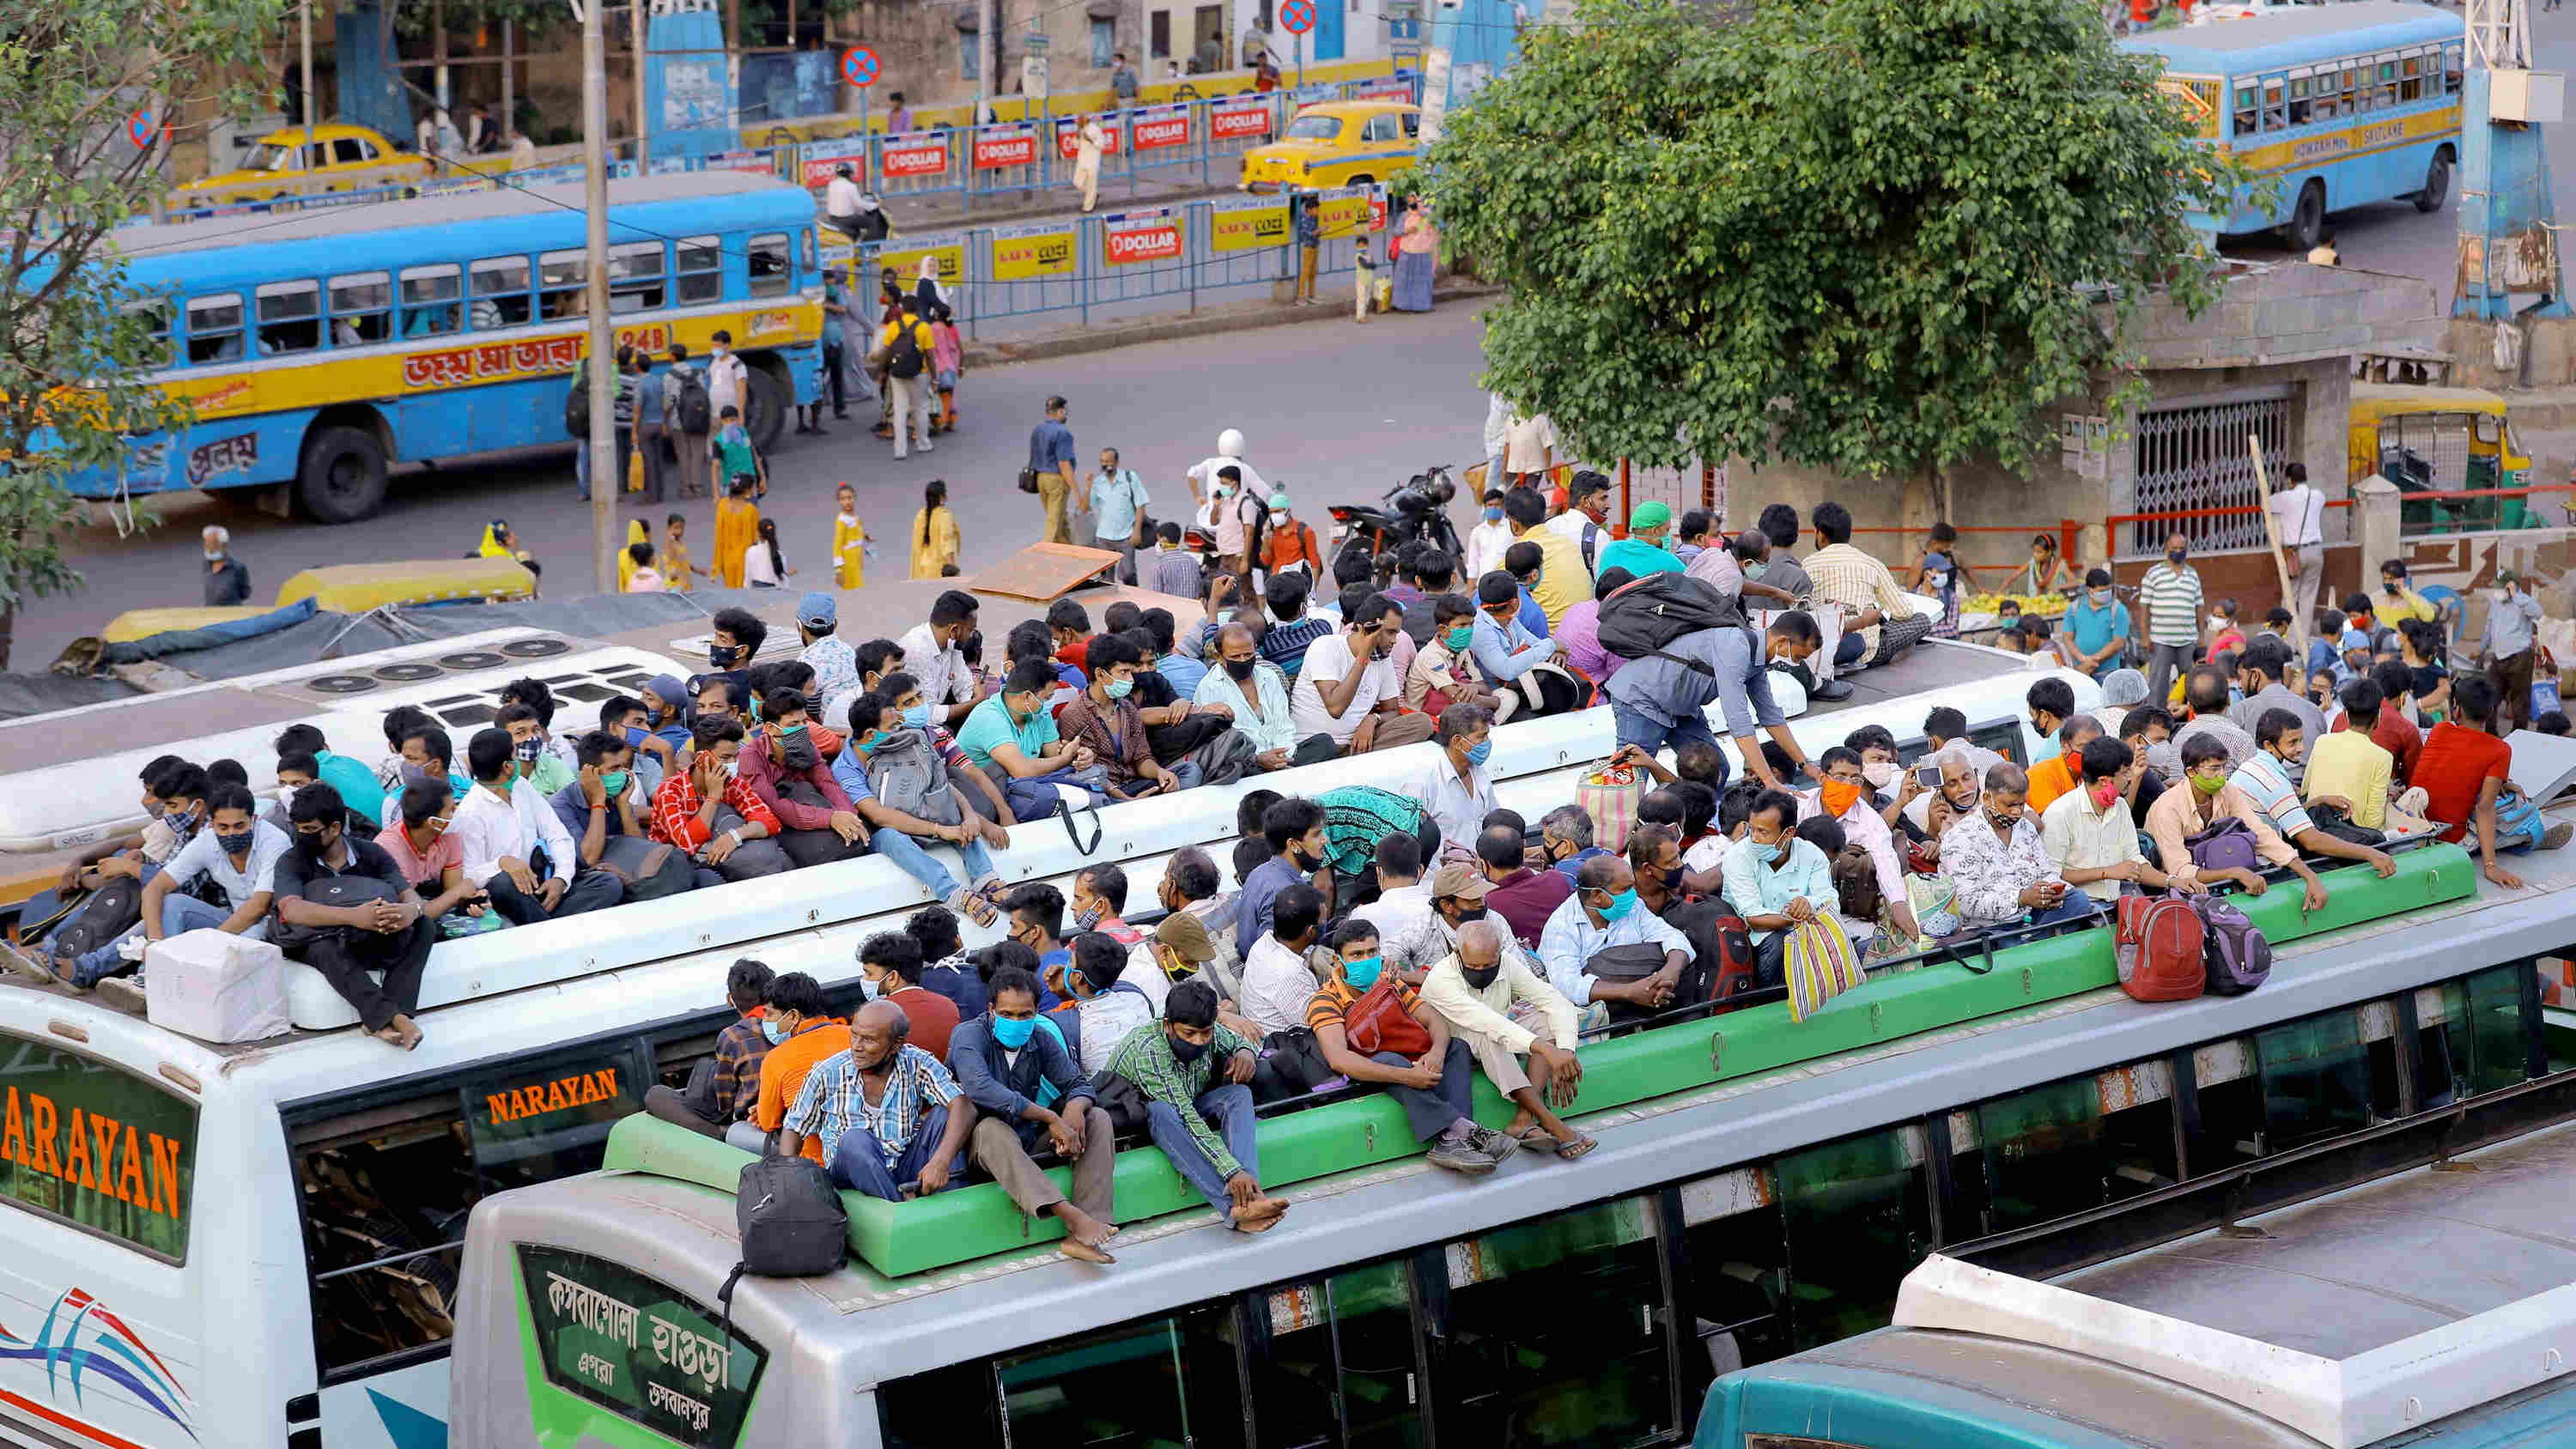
<point x="1928" y="776"/>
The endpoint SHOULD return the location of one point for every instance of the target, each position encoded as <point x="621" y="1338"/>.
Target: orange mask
<point x="1838" y="796"/>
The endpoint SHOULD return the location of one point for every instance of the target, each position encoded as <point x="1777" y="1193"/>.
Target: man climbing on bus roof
<point x="723" y="1088"/>
<point x="1192" y="1073"/>
<point x="1001" y="1061"/>
<point x="888" y="1119"/>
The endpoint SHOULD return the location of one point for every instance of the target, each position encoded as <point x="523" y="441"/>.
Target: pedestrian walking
<point x="764" y="565"/>
<point x="909" y="348"/>
<point x="649" y="434"/>
<point x="1050" y="469"/>
<point x="1363" y="280"/>
<point x="227" y="581"/>
<point x="1088" y="143"/>
<point x="934" y="534"/>
<point x="947" y="362"/>
<point x="928" y="289"/>
<point x="738" y="523"/>
<point x="1309" y="230"/>
<point x="836" y="304"/>
<point x="689" y="416"/>
<point x="728" y="381"/>
<point x="850" y="546"/>
<point x="1117" y="503"/>
<point x="899" y="118"/>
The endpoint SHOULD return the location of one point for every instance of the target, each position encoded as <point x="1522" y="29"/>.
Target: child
<point x="2224" y="636"/>
<point x="736" y="457"/>
<point x="1364" y="280"/>
<point x="737" y="528"/>
<point x="947" y="359"/>
<point x="763" y="566"/>
<point x="675" y="567"/>
<point x="1938" y="576"/>
<point x="643" y="580"/>
<point x="850" y="546"/>
<point x="2424" y="653"/>
<point x="2008" y="614"/>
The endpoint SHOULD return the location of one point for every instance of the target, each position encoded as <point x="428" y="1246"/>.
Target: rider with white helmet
<point x="1229" y="449"/>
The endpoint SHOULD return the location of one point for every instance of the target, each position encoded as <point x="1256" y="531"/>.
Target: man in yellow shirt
<point x="1562" y="581"/>
<point x="2350" y="768"/>
<point x="2398" y="601"/>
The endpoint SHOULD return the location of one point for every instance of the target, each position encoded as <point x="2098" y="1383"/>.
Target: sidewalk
<point x="1224" y="317"/>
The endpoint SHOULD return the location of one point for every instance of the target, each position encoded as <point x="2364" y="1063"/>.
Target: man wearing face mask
<point x="2172" y="596"/>
<point x="802" y="1033"/>
<point x="1255" y="692"/>
<point x="1004" y="1063"/>
<point x="2096" y="631"/>
<point x="737" y="636"/>
<point x="783" y="765"/>
<point x="1346" y="690"/>
<point x="2090" y="835"/>
<point x="1994" y="857"/>
<point x="605" y="809"/>
<point x="708" y="811"/>
<point x="1492" y="534"/>
<point x="1012" y="737"/>
<point x="1603" y="913"/>
<point x="724" y="1088"/>
<point x="1433" y="1085"/>
<point x="541" y="769"/>
<point x="1193" y="1074"/>
<point x="430" y="858"/>
<point x="1502" y="1012"/>
<point x="347" y="911"/>
<point x="1843" y="797"/>
<point x="238" y="852"/>
<point x="1663" y="698"/>
<point x="890" y="968"/>
<point x="1106" y="720"/>
<point x="1777" y="881"/>
<point x="882" y="749"/>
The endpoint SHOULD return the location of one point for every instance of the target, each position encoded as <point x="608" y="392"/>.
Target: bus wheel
<point x="2437" y="183"/>
<point x="2308" y="223"/>
<point x="342" y="478"/>
<point x="769" y="400"/>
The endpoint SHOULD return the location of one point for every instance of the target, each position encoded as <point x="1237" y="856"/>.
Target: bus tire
<point x="341" y="478"/>
<point x="769" y="399"/>
<point x="2308" y="221"/>
<point x="2437" y="182"/>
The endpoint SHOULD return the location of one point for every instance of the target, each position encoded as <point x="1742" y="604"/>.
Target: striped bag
<point x="1821" y="965"/>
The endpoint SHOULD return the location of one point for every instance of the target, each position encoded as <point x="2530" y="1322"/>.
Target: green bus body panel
<point x="1844" y="1405"/>
<point x="974" y="1222"/>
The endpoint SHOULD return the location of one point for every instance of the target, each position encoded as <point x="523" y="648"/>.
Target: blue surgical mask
<point x="1013" y="1032"/>
<point x="1620" y="905"/>
<point x="1480" y="751"/>
<point x="635" y="735"/>
<point x="1493" y="515"/>
<point x="1119" y="688"/>
<point x="917" y="717"/>
<point x="1362" y="973"/>
<point x="774" y="1029"/>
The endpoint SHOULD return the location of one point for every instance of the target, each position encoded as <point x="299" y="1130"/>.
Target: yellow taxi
<point x="1338" y="143"/>
<point x="287" y="163"/>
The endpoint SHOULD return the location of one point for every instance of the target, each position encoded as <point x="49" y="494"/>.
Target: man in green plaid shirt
<point x="1191" y="1073"/>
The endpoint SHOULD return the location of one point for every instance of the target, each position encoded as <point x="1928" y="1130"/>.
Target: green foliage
<point x="72" y="340"/>
<point x="1866" y="235"/>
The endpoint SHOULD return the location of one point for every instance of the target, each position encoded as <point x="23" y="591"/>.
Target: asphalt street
<point x="1335" y="410"/>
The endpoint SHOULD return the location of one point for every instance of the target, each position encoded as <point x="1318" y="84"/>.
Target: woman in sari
<point x="1417" y="256"/>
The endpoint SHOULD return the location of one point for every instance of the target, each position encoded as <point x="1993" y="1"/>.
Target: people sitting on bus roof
<point x="1405" y="1046"/>
<point x="1193" y="1073"/>
<point x="802" y="1033"/>
<point x="1599" y="917"/>
<point x="1179" y="671"/>
<point x="947" y="968"/>
<point x="2205" y="703"/>
<point x="931" y="655"/>
<point x="1522" y="897"/>
<point x="345" y="909"/>
<point x="782" y="762"/>
<point x="1402" y="910"/>
<point x="990" y="806"/>
<point x="237" y="853"/>
<point x="888" y="1119"/>
<point x="426" y="755"/>
<point x="834" y="662"/>
<point x="2090" y="835"/>
<point x="623" y="716"/>
<point x="666" y="708"/>
<point x="535" y="694"/>
<point x="2204" y="797"/>
<point x="605" y="810"/>
<point x="890" y="969"/>
<point x="1100" y="1005"/>
<point x="2055" y="775"/>
<point x="2280" y="745"/>
<point x="2465" y="772"/>
<point x="512" y="841"/>
<point x="43" y="916"/>
<point x="535" y="764"/>
<point x="1521" y="1031"/>
<point x="1106" y="719"/>
<point x="1992" y="856"/>
<point x="2261" y="674"/>
<point x="1345" y="686"/>
<point x="2148" y="732"/>
<point x="349" y="776"/>
<point x="295" y="770"/>
<point x="1254" y="694"/>
<point x="900" y="786"/>
<point x="724" y="1087"/>
<point x="2351" y="765"/>
<point x="1776" y="880"/>
<point x="1011" y="735"/>
<point x="1192" y="886"/>
<point x="433" y="860"/>
<point x="1293" y="830"/>
<point x="710" y="812"/>
<point x="1277" y="979"/>
<point x="1029" y="1096"/>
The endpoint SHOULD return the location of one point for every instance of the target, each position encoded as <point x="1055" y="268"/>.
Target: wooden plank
<point x="1043" y="572"/>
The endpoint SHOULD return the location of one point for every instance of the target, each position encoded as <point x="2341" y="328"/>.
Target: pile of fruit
<point x="2051" y="605"/>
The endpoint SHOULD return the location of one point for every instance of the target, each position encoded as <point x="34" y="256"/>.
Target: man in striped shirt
<point x="2170" y="594"/>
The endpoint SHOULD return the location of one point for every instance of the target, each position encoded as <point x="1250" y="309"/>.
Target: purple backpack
<point x="2226" y="845"/>
<point x="2233" y="950"/>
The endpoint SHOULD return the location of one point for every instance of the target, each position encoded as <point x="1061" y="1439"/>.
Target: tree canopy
<point x="1864" y="235"/>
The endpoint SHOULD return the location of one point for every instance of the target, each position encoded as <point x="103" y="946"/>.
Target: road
<point x="2392" y="236"/>
<point x="1336" y="411"/>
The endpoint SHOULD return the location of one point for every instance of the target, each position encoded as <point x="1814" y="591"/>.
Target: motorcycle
<point x="1415" y="510"/>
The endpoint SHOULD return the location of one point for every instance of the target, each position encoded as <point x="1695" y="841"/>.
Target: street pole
<point x="636" y="11"/>
<point x="308" y="80"/>
<point x="605" y="483"/>
<point x="987" y="50"/>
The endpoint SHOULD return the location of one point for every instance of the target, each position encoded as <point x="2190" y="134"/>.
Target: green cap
<point x="1650" y="515"/>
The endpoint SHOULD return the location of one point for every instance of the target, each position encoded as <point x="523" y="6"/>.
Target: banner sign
<point x="1000" y="146"/>
<point x="1141" y="236"/>
<point x="1068" y="136"/>
<point x="1025" y="253"/>
<point x="1233" y="123"/>
<point x="905" y="254"/>
<point x="750" y="163"/>
<point x="1347" y="210"/>
<point x="821" y="158"/>
<point x="1160" y="127"/>
<point x="917" y="153"/>
<point x="1244" y="223"/>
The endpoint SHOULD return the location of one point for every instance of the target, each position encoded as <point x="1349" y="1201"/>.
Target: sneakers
<point x="2557" y="836"/>
<point x="1493" y="1144"/>
<point x="125" y="993"/>
<point x="1463" y="1156"/>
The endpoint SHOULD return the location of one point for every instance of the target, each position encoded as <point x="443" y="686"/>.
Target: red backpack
<point x="2159" y="949"/>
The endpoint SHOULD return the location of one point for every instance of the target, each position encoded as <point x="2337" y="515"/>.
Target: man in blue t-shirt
<point x="1051" y="463"/>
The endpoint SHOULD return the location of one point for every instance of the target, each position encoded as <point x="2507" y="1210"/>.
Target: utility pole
<point x="636" y="12"/>
<point x="988" y="50"/>
<point x="605" y="483"/>
<point x="2508" y="224"/>
<point x="307" y="62"/>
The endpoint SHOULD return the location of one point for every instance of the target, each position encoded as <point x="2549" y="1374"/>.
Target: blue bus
<point x="320" y="349"/>
<point x="2329" y="107"/>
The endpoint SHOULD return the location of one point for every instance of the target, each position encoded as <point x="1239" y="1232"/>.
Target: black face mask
<point x="797" y="752"/>
<point x="1479" y="980"/>
<point x="1241" y="669"/>
<point x="315" y="846"/>
<point x="1185" y="1052"/>
<point x="1298" y="857"/>
<point x="722" y="656"/>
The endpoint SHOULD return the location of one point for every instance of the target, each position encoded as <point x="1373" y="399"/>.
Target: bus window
<point x="1858" y="1214"/>
<point x="2358" y="93"/>
<point x="156" y="318"/>
<point x="2276" y="111"/>
<point x="2316" y="1079"/>
<point x="94" y="1147"/>
<point x="1340" y="1363"/>
<point x="1594" y="1368"/>
<point x="2411" y="86"/>
<point x="215" y="328"/>
<point x="770" y="264"/>
<point x="638" y="1348"/>
<point x="360" y="308"/>
<point x="500" y="293"/>
<point x="2052" y="1152"/>
<point x="1735" y="1293"/>
<point x="634" y="276"/>
<point x="2387" y="84"/>
<point x="2245" y="111"/>
<point x="290" y="317"/>
<point x="563" y="280"/>
<point x="701" y="268"/>
<point x="2451" y="71"/>
<point x="1162" y="1381"/>
<point x="2299" y="112"/>
<point x="813" y="256"/>
<point x="2342" y="82"/>
<point x="429" y="297"/>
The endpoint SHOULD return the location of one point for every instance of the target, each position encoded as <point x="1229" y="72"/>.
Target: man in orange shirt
<point x="802" y="1032"/>
<point x="890" y="963"/>
<point x="2056" y="775"/>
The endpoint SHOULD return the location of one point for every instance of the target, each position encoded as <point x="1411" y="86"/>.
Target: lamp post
<point x="605" y="479"/>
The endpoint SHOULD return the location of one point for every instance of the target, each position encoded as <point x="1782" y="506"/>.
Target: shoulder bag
<point x="1378" y="1022"/>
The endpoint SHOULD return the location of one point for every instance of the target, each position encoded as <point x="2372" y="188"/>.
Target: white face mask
<point x="2218" y="621"/>
<point x="1879" y="773"/>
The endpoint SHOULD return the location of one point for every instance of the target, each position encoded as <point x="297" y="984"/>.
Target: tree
<point x="1863" y="235"/>
<point x="76" y="338"/>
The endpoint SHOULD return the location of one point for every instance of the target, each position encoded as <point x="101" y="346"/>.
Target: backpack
<point x="2226" y="845"/>
<point x="903" y="355"/>
<point x="577" y="406"/>
<point x="2235" y="955"/>
<point x="1642" y="617"/>
<point x="1855" y="876"/>
<point x="1591" y="548"/>
<point x="2158" y="946"/>
<point x="697" y="410"/>
<point x="793" y="1224"/>
<point x="112" y="910"/>
<point x="908" y="775"/>
<point x="1721" y="954"/>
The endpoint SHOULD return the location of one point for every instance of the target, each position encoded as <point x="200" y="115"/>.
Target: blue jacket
<point x="1003" y="1089"/>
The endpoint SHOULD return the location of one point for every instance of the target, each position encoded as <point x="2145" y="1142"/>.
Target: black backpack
<point x="697" y="413"/>
<point x="1643" y="617"/>
<point x="792" y="1221"/>
<point x="903" y="358"/>
<point x="577" y="406"/>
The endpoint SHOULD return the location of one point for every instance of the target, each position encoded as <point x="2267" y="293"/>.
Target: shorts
<point x="946" y="380"/>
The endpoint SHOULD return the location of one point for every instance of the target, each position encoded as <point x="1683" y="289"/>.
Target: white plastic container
<point x="216" y="987"/>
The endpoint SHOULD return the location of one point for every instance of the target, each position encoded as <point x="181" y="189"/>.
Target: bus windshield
<point x="85" y="1143"/>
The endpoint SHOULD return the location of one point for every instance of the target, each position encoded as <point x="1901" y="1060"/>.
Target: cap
<point x="1456" y="879"/>
<point x="1278" y="500"/>
<point x="1653" y="513"/>
<point x="1187" y="935"/>
<point x="816" y="610"/>
<point x="2507" y="576"/>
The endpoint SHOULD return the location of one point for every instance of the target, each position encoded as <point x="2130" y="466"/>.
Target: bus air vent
<point x="535" y="648"/>
<point x="339" y="684"/>
<point x="408" y="673"/>
<point x="474" y="659"/>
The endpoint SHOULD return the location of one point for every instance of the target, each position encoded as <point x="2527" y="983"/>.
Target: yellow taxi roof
<point x="2396" y="397"/>
<point x="1354" y="108"/>
<point x="325" y="131"/>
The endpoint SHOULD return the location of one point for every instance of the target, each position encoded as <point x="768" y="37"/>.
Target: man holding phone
<point x="1994" y="856"/>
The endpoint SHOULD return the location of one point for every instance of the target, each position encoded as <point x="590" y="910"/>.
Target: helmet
<point x="1229" y="444"/>
<point x="1444" y="490"/>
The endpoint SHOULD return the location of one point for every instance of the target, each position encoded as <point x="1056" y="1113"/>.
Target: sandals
<point x="973" y="906"/>
<point x="1536" y="1139"/>
<point x="1569" y="1151"/>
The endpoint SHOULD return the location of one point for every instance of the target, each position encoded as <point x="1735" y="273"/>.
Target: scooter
<point x="1416" y="509"/>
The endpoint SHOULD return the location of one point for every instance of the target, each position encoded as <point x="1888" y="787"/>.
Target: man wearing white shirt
<point x="1604" y="912"/>
<point x="509" y="832"/>
<point x="932" y="658"/>
<point x="1409" y="936"/>
<point x="238" y="852"/>
<point x="728" y="381"/>
<point x="1277" y="982"/>
<point x="2298" y="521"/>
<point x="1348" y="692"/>
<point x="1585" y="523"/>
<point x="841" y="204"/>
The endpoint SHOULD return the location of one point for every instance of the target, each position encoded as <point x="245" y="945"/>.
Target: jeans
<point x="2164" y="661"/>
<point x="1771" y="960"/>
<point x="924" y="867"/>
<point x="858" y="1159"/>
<point x="1632" y="728"/>
<point x="180" y="914"/>
<point x="1229" y="1109"/>
<point x="591" y="890"/>
<point x="1430" y="1110"/>
<point x="2077" y="910"/>
<point x="1186" y="773"/>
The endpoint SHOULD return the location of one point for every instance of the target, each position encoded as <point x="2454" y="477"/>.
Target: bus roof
<point x="2269" y="42"/>
<point x="2349" y="1319"/>
<point x="473" y="206"/>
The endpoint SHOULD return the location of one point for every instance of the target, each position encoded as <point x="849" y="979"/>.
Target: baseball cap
<point x="817" y="611"/>
<point x="1455" y="879"/>
<point x="1187" y="935"/>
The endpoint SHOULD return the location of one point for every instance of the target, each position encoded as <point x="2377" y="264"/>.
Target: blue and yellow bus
<point x="2329" y="107"/>
<point x="322" y="348"/>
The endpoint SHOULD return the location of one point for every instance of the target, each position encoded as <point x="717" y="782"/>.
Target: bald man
<point x="922" y="1153"/>
<point x="1503" y="1011"/>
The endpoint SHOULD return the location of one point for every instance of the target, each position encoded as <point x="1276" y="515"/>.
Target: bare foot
<point x="1260" y="1211"/>
<point x="1082" y="1252"/>
<point x="1082" y="1227"/>
<point x="1262" y="1226"/>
